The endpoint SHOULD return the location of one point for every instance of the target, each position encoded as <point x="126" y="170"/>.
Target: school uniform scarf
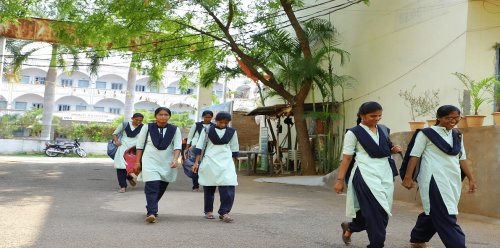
<point x="225" y="139"/>
<point x="159" y="141"/>
<point x="132" y="134"/>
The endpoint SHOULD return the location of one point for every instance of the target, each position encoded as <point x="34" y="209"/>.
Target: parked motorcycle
<point x="54" y="149"/>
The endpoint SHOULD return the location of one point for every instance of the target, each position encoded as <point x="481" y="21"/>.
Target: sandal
<point x="209" y="216"/>
<point x="122" y="190"/>
<point x="226" y="218"/>
<point x="345" y="229"/>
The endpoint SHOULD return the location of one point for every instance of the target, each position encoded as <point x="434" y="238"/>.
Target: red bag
<point x="130" y="159"/>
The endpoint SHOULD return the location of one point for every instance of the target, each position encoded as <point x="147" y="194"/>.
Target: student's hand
<point x="118" y="143"/>
<point x="339" y="186"/>
<point x="173" y="164"/>
<point x="195" y="168"/>
<point x="472" y="186"/>
<point x="396" y="149"/>
<point x="137" y="167"/>
<point x="407" y="183"/>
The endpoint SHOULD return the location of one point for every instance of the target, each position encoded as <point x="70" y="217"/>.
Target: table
<point x="252" y="156"/>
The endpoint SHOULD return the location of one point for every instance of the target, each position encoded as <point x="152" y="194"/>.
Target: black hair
<point x="366" y="108"/>
<point x="162" y="108"/>
<point x="138" y="115"/>
<point x="444" y="111"/>
<point x="207" y="112"/>
<point x="223" y="116"/>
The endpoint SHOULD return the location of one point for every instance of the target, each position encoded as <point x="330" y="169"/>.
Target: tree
<point x="254" y="52"/>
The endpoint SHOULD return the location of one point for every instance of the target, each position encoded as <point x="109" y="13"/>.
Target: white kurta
<point x="156" y="163"/>
<point x="193" y="136"/>
<point x="217" y="167"/>
<point x="443" y="167"/>
<point x="127" y="142"/>
<point x="376" y="173"/>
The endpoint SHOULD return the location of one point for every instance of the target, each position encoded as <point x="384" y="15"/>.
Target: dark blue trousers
<point x="226" y="198"/>
<point x="122" y="177"/>
<point x="371" y="216"/>
<point x="438" y="221"/>
<point x="154" y="191"/>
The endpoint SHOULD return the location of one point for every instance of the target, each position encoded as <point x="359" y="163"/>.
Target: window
<point x="3" y="104"/>
<point x="67" y="82"/>
<point x="25" y="80"/>
<point x="218" y="93"/>
<point x="64" y="107"/>
<point x="190" y="91"/>
<point x="116" y="86"/>
<point x="114" y="111"/>
<point x="100" y="85"/>
<point x="140" y="88"/>
<point x="83" y="83"/>
<point x="171" y="90"/>
<point x="37" y="105"/>
<point x="39" y="80"/>
<point x="81" y="108"/>
<point x="20" y="105"/>
<point x="99" y="109"/>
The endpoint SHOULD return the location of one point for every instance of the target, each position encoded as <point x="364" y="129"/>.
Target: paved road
<point x="72" y="202"/>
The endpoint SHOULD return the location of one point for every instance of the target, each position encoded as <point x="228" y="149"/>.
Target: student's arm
<point x="118" y="130"/>
<point x="177" y="142"/>
<point x="234" y="145"/>
<point x="464" y="165"/>
<point x="199" y="147"/>
<point x="141" y="140"/>
<point x="190" y="136"/>
<point x="415" y="155"/>
<point x="348" y="151"/>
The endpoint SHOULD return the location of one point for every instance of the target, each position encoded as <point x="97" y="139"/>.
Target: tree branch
<point x="251" y="62"/>
<point x="231" y="14"/>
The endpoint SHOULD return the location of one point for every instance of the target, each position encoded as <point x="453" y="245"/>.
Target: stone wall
<point x="11" y="146"/>
<point x="248" y="130"/>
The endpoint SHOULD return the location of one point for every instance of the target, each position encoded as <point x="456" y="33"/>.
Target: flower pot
<point x="414" y="125"/>
<point x="431" y="123"/>
<point x="475" y="120"/>
<point x="496" y="118"/>
<point x="462" y="123"/>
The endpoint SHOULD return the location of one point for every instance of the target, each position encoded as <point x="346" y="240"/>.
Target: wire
<point x="412" y="69"/>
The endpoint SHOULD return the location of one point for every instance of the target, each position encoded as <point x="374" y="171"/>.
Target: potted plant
<point x="420" y="105"/>
<point x="496" y="114"/>
<point x="478" y="95"/>
<point x="464" y="102"/>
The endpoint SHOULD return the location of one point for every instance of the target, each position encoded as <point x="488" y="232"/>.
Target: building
<point x="80" y="97"/>
<point x="397" y="44"/>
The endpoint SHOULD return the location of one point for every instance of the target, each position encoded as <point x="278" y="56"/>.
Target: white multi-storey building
<point x="80" y="97"/>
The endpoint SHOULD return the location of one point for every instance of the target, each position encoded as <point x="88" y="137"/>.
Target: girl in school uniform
<point x="217" y="169"/>
<point x="158" y="149"/>
<point x="192" y="141"/>
<point x="127" y="140"/>
<point x="439" y="180"/>
<point x="370" y="185"/>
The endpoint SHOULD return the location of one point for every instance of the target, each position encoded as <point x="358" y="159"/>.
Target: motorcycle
<point x="53" y="149"/>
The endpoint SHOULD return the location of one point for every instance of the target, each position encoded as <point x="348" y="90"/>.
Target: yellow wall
<point x="483" y="34"/>
<point x="395" y="44"/>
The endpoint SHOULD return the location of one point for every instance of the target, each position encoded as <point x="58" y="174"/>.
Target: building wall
<point x="397" y="44"/>
<point x="483" y="38"/>
<point x="247" y="128"/>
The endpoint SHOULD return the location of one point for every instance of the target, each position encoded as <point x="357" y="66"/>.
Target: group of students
<point x="159" y="145"/>
<point x="366" y="158"/>
<point x="440" y="153"/>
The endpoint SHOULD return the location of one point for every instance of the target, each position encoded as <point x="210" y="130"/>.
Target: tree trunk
<point x="49" y="96"/>
<point x="306" y="154"/>
<point x="130" y="95"/>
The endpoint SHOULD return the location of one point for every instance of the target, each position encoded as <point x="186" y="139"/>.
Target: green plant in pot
<point x="480" y="92"/>
<point x="420" y="105"/>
